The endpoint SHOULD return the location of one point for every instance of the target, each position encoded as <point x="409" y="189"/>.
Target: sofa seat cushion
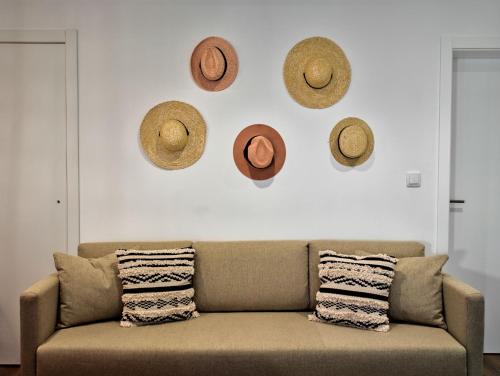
<point x="249" y="343"/>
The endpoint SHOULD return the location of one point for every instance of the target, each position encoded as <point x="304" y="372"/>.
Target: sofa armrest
<point x="39" y="306"/>
<point x="464" y="311"/>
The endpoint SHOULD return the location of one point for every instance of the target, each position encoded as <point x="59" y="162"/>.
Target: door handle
<point x="457" y="201"/>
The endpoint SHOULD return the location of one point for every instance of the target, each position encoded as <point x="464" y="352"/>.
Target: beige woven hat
<point x="351" y="141"/>
<point x="317" y="73"/>
<point x="173" y="135"/>
<point x="214" y="64"/>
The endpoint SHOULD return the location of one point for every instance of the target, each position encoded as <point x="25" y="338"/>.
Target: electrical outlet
<point x="413" y="179"/>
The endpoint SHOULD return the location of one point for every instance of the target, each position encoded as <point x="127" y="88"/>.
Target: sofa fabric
<point x="93" y="250"/>
<point x="38" y="305"/>
<point x="89" y="289"/>
<point x="417" y="291"/>
<point x="396" y="249"/>
<point x="157" y="285"/>
<point x="354" y="290"/>
<point x="249" y="344"/>
<point x="464" y="312"/>
<point x="251" y="276"/>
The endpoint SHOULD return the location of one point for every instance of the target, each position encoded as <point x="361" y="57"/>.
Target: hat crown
<point x="260" y="152"/>
<point x="318" y="73"/>
<point x="353" y="141"/>
<point x="173" y="135"/>
<point x="212" y="63"/>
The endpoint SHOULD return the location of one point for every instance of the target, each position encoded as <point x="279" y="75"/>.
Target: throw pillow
<point x="157" y="285"/>
<point x="417" y="291"/>
<point x="354" y="290"/>
<point x="89" y="289"/>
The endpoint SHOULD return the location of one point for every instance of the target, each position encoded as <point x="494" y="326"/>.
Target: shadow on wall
<point x="363" y="167"/>
<point x="456" y="266"/>
<point x="486" y="284"/>
<point x="263" y="183"/>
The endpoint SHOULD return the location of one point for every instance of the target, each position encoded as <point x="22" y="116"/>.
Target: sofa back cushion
<point x="398" y="249"/>
<point x="251" y="276"/>
<point x="94" y="250"/>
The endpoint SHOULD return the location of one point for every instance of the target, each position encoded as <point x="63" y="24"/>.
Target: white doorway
<point x="38" y="164"/>
<point x="470" y="232"/>
<point x="474" y="245"/>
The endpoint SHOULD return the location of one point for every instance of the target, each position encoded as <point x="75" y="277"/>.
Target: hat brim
<point x="334" y="142"/>
<point x="294" y="68"/>
<point x="230" y="57"/>
<point x="192" y="120"/>
<point x="241" y="144"/>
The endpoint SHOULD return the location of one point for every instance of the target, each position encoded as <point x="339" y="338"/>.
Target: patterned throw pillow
<point x="157" y="285"/>
<point x="354" y="290"/>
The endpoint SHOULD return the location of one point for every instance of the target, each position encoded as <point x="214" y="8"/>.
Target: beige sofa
<point x="253" y="298"/>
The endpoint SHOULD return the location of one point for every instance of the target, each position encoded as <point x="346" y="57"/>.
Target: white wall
<point x="135" y="54"/>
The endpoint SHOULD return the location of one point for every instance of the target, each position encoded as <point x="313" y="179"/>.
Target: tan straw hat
<point x="214" y="64"/>
<point x="317" y="73"/>
<point x="259" y="152"/>
<point x="351" y="141"/>
<point x="173" y="135"/>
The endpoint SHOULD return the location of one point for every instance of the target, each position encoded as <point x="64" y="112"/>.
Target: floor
<point x="10" y="371"/>
<point x="491" y="367"/>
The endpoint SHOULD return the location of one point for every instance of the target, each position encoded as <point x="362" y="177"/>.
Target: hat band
<point x="245" y="154"/>
<point x="173" y="135"/>
<point x="223" y="72"/>
<point x="353" y="141"/>
<point x="320" y="87"/>
<point x="184" y="125"/>
<point x="340" y="149"/>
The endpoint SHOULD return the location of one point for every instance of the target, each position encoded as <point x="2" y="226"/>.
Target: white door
<point x="475" y="178"/>
<point x="32" y="175"/>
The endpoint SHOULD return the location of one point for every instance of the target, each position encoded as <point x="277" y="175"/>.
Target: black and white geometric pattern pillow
<point x="157" y="285"/>
<point x="354" y="290"/>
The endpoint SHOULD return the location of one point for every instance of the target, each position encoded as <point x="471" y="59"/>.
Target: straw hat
<point x="317" y="73"/>
<point x="259" y="152"/>
<point x="351" y="141"/>
<point x="214" y="64"/>
<point x="173" y="135"/>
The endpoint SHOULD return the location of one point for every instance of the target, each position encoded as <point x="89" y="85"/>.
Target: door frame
<point x="451" y="46"/>
<point x="69" y="39"/>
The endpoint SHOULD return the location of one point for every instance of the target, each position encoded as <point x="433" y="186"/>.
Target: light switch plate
<point x="413" y="179"/>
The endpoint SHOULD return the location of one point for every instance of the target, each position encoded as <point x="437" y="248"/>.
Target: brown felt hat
<point x="214" y="64"/>
<point x="173" y="135"/>
<point x="351" y="141"/>
<point x="259" y="152"/>
<point x="317" y="73"/>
